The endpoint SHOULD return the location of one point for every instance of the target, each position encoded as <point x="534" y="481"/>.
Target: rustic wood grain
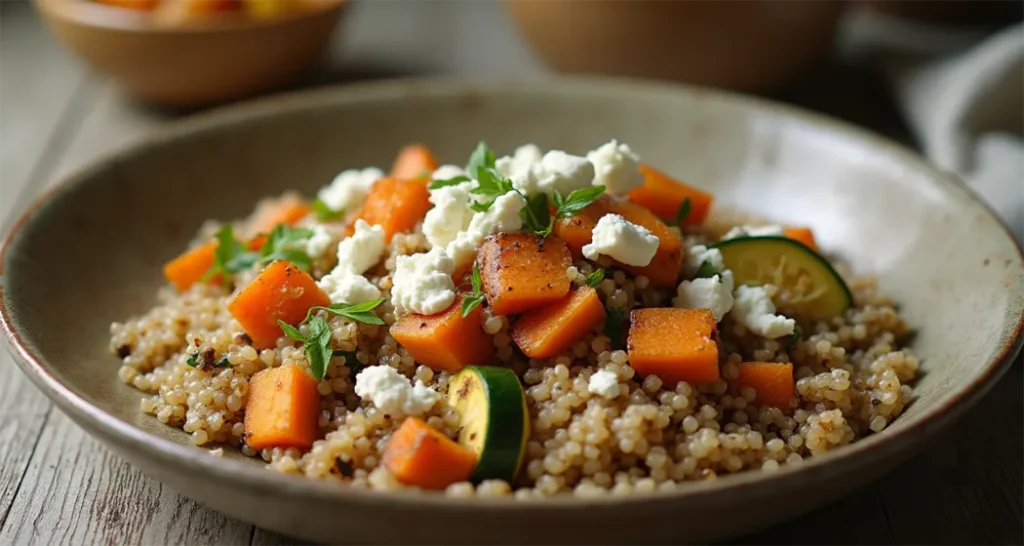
<point x="23" y="412"/>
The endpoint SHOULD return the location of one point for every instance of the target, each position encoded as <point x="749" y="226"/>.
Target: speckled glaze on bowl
<point x="958" y="274"/>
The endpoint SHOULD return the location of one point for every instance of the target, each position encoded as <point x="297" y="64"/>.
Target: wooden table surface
<point x="58" y="485"/>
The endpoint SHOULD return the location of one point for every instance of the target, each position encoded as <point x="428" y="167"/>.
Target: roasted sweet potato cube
<point x="282" y="291"/>
<point x="396" y="205"/>
<point x="549" y="330"/>
<point x="282" y="409"/>
<point x="446" y="341"/>
<point x="663" y="196"/>
<point x="773" y="382"/>
<point x="674" y="344"/>
<point x="521" y="271"/>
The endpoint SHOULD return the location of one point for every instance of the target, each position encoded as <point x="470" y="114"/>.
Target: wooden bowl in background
<point x="195" y="64"/>
<point x="753" y="45"/>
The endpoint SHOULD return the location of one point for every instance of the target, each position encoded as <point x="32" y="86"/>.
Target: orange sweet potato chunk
<point x="282" y="291"/>
<point x="549" y="330"/>
<point x="414" y="162"/>
<point x="663" y="196"/>
<point x="446" y="341"/>
<point x="187" y="269"/>
<point x="282" y="409"/>
<point x="289" y="209"/>
<point x="802" y="234"/>
<point x="396" y="205"/>
<point x="421" y="456"/>
<point x="773" y="382"/>
<point x="674" y="344"/>
<point x="521" y="271"/>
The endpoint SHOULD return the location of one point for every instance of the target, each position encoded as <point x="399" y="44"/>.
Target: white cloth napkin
<point x="961" y="93"/>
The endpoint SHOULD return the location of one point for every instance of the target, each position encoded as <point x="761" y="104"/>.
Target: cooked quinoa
<point x="852" y="378"/>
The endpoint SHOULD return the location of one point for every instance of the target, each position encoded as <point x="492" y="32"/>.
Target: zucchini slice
<point x="808" y="286"/>
<point x="494" y="422"/>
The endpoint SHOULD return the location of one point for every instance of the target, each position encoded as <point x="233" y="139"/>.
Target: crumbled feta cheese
<point x="713" y="293"/>
<point x="622" y="240"/>
<point x="520" y="162"/>
<point x="347" y="287"/>
<point x="422" y="283"/>
<point x="557" y="170"/>
<point x="393" y="393"/>
<point x="361" y="251"/>
<point x="754" y="231"/>
<point x="450" y="214"/>
<point x="348" y="190"/>
<point x="319" y="241"/>
<point x="699" y="254"/>
<point x="616" y="168"/>
<point x="444" y="172"/>
<point x="501" y="217"/>
<point x="754" y="309"/>
<point x="604" y="383"/>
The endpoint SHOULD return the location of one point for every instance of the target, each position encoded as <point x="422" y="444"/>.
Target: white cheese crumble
<point x="348" y="190"/>
<point x="347" y="287"/>
<point x="714" y="293"/>
<point x="604" y="383"/>
<point x="616" y="168"/>
<point x="319" y="241"/>
<point x="699" y="254"/>
<point x="422" y="283"/>
<point x="361" y="251"/>
<point x="444" y="172"/>
<point x="754" y="231"/>
<point x="622" y="240"/>
<point x="501" y="217"/>
<point x="450" y="214"/>
<point x="393" y="393"/>
<point x="557" y="170"/>
<point x="521" y="160"/>
<point x="754" y="309"/>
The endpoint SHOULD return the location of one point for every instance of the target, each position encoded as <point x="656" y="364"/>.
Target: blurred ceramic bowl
<point x="752" y="45"/>
<point x="197" y="63"/>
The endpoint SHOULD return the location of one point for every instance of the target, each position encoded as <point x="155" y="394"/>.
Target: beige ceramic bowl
<point x="747" y="45"/>
<point x="941" y="253"/>
<point x="197" y="64"/>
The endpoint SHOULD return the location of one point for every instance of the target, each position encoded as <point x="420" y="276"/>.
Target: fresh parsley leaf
<point x="578" y="200"/>
<point x="360" y="312"/>
<point x="615" y="328"/>
<point x="476" y="297"/>
<point x="291" y="331"/>
<point x="230" y="256"/>
<point x="193" y="360"/>
<point x="682" y="214"/>
<point x="454" y="181"/>
<point x="536" y="214"/>
<point x="595" y="278"/>
<point x="491" y="183"/>
<point x="199" y="360"/>
<point x="318" y="347"/>
<point x="324" y="212"/>
<point x="706" y="270"/>
<point x="351" y="361"/>
<point x="281" y="245"/>
<point x="482" y="157"/>
<point x="481" y="206"/>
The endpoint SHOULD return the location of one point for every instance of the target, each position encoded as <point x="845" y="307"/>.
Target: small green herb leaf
<point x="491" y="183"/>
<point x="706" y="270"/>
<point x="193" y="359"/>
<point x="536" y="215"/>
<point x="359" y="312"/>
<point x="454" y="181"/>
<point x="291" y="331"/>
<point x="229" y="257"/>
<point x="615" y="328"/>
<point x="682" y="214"/>
<point x="197" y="360"/>
<point x="481" y="206"/>
<point x="324" y="212"/>
<point x="595" y="278"/>
<point x="282" y="244"/>
<point x="578" y="200"/>
<point x="318" y="347"/>
<point x="482" y="157"/>
<point x="475" y="297"/>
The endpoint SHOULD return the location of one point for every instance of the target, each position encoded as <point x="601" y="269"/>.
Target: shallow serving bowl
<point x="90" y="253"/>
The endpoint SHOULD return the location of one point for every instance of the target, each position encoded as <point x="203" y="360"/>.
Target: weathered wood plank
<point x="77" y="492"/>
<point x="23" y="412"/>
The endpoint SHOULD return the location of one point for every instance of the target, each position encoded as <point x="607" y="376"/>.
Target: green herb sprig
<point x="324" y="212"/>
<point x="682" y="214"/>
<point x="317" y="343"/>
<point x="283" y="243"/>
<point x="476" y="297"/>
<point x="595" y="278"/>
<point x="231" y="256"/>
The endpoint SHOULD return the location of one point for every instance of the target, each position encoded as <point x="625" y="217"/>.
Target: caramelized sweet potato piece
<point x="421" y="456"/>
<point x="414" y="162"/>
<point x="773" y="382"/>
<point x="282" y="291"/>
<point x="674" y="344"/>
<point x="446" y="341"/>
<point x="396" y="205"/>
<point x="187" y="269"/>
<point x="663" y="196"/>
<point x="802" y="234"/>
<point x="289" y="209"/>
<point x="549" y="330"/>
<point x="521" y="271"/>
<point x="282" y="409"/>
